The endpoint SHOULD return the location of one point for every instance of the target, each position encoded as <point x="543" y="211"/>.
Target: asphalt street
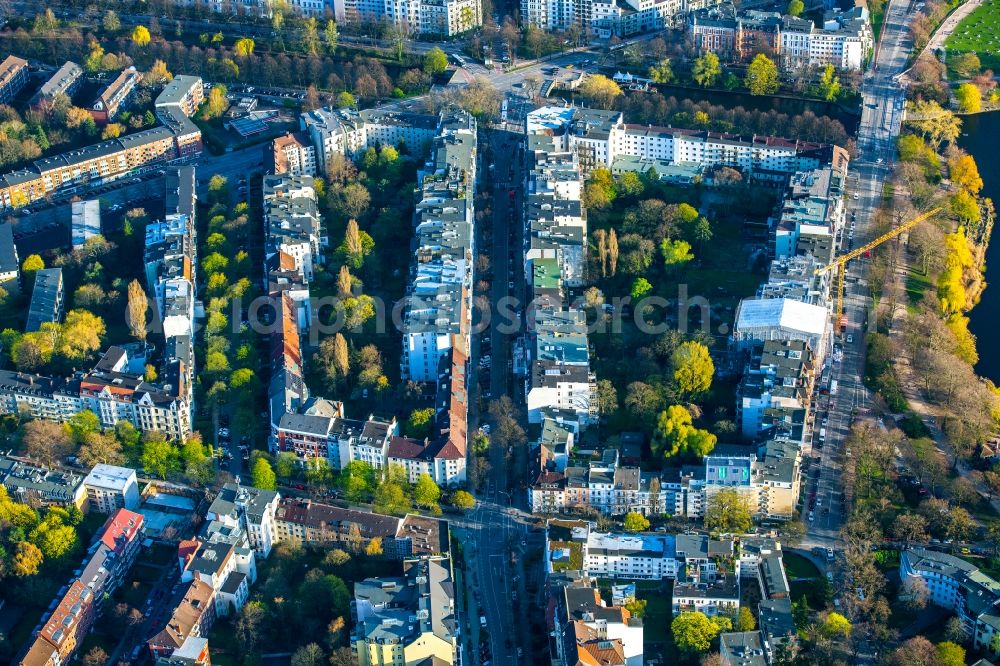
<point x="883" y="100"/>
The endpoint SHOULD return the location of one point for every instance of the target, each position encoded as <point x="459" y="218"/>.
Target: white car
<point x="856" y="196"/>
<point x="850" y="338"/>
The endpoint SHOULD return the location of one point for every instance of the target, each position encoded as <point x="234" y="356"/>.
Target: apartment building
<point x="184" y="92"/>
<point x="349" y="133"/>
<point x="558" y="15"/>
<point x="732" y="34"/>
<point x="307" y="523"/>
<point x="845" y="40"/>
<point x="292" y="221"/>
<point x="46" y="299"/>
<point x="192" y="618"/>
<point x="294" y="154"/>
<point x="74" y="613"/>
<point x="227" y="566"/>
<point x="13" y="77"/>
<point x="767" y="476"/>
<point x="250" y="509"/>
<point x="10" y="265"/>
<point x="759" y="320"/>
<point x="86" y="221"/>
<point x="110" y="488"/>
<point x="774" y="395"/>
<point x="960" y="587"/>
<point x="33" y="484"/>
<point x="109" y="390"/>
<point x="115" y="96"/>
<point x="407" y="620"/>
<point x="600" y="137"/>
<point x="633" y="17"/>
<point x="579" y="601"/>
<point x="65" y="81"/>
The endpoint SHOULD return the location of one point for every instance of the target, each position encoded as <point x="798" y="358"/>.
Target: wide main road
<point x="883" y="99"/>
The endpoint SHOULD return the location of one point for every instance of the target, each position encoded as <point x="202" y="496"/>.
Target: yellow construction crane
<point x="840" y="263"/>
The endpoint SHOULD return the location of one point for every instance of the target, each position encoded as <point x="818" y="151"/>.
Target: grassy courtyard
<point x="979" y="33"/>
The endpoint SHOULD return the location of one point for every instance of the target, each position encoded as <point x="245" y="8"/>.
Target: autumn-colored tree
<point x="244" y="47"/>
<point x="598" y="90"/>
<point x="344" y="281"/>
<point x="706" y="69"/>
<point x="693" y="368"/>
<point x="46" y="441"/>
<point x="135" y="312"/>
<point x="613" y="252"/>
<point x="140" y="35"/>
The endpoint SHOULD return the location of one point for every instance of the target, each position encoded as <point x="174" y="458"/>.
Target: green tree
<point x="436" y="61"/>
<point x="463" y="500"/>
<point x="635" y="522"/>
<point x="693" y="368"/>
<point x="241" y="377"/>
<point x="140" y="35"/>
<point x="950" y="654"/>
<point x="706" y="70"/>
<point x="420" y="422"/>
<point x="969" y="98"/>
<point x="676" y="253"/>
<point x="54" y="539"/>
<point x="795" y="7"/>
<point x="694" y="632"/>
<point x="762" y="76"/>
<point x="745" y="620"/>
<point x="675" y="435"/>
<point x="640" y="287"/>
<point x="829" y="82"/>
<point x="727" y="511"/>
<point x="661" y="72"/>
<point x="345" y="100"/>
<point x="82" y="424"/>
<point x="390" y="498"/>
<point x="965" y="207"/>
<point x="285" y="465"/>
<point x="426" y="492"/>
<point x="158" y="457"/>
<point x="356" y="480"/>
<point x="263" y="476"/>
<point x="332" y="36"/>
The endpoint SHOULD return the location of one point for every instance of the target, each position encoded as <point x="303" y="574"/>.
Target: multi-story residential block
<point x="960" y="587"/>
<point x="109" y="390"/>
<point x="759" y="320"/>
<point x="13" y="77"/>
<point x="251" y="509"/>
<point x="632" y="17"/>
<point x="813" y="206"/>
<point x="110" y="488"/>
<point x="600" y="137"/>
<point x="110" y="557"/>
<point x="10" y="266"/>
<point x="115" y="96"/>
<point x="99" y="163"/>
<point x="845" y="40"/>
<point x="65" y="81"/>
<point x="46" y="299"/>
<point x="448" y="18"/>
<point x="292" y="221"/>
<point x="349" y="133"/>
<point x="732" y="34"/>
<point x="407" y="620"/>
<point x="30" y="484"/>
<point x="184" y="92"/>
<point x="192" y="618"/>
<point x="294" y="154"/>
<point x="579" y="600"/>
<point x="192" y="652"/>
<point x="225" y="565"/>
<point x="307" y="523"/>
<point x="584" y="644"/>
<point x="774" y="396"/>
<point x="86" y="221"/>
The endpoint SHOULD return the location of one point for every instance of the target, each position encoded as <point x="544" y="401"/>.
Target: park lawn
<point x="917" y="285"/>
<point x="797" y="566"/>
<point x="979" y="32"/>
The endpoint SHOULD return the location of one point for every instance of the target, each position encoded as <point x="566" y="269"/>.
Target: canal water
<point x="981" y="138"/>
